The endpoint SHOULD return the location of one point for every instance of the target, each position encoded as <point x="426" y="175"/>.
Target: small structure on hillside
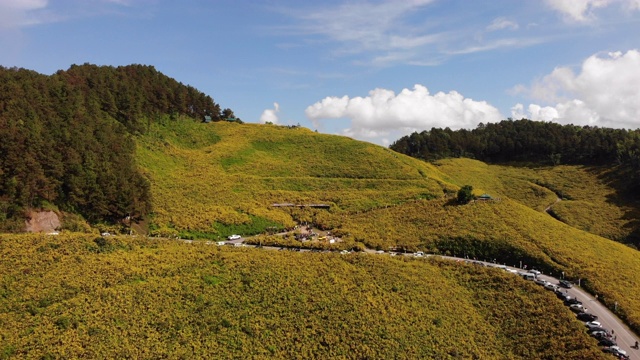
<point x="485" y="197"/>
<point x="207" y="119"/>
<point x="317" y="206"/>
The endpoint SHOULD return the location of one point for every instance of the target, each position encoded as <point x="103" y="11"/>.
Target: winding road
<point x="624" y="337"/>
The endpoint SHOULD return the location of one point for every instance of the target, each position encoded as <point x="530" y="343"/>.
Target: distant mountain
<point x="68" y="139"/>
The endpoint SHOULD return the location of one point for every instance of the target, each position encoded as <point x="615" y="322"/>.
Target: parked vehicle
<point x="599" y="334"/>
<point x="597" y="329"/>
<point x="576" y="308"/>
<point x="615" y="350"/>
<point x="571" y="301"/>
<point x="550" y="286"/>
<point x="593" y="324"/>
<point x="220" y="243"/>
<point x="587" y="317"/>
<point x="606" y="342"/>
<point x="234" y="237"/>
<point x="527" y="276"/>
<point x="565" y="284"/>
<point x="541" y="282"/>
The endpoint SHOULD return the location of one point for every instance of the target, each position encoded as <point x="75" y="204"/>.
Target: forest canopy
<point x="68" y="138"/>
<point x="528" y="141"/>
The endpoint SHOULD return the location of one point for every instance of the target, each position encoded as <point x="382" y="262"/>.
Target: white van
<point x="527" y="276"/>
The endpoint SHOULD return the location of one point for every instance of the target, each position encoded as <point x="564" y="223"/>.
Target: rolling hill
<point x="148" y="155"/>
<point x="230" y="174"/>
<point x="72" y="296"/>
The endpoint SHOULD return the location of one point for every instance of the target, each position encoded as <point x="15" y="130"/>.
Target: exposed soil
<point x="45" y="221"/>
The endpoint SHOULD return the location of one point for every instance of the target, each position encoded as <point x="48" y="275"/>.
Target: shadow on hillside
<point x="626" y="196"/>
<point x="452" y="202"/>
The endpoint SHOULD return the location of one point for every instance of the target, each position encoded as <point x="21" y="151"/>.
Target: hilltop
<point x="208" y="176"/>
<point x="68" y="139"/>
<point x="90" y="155"/>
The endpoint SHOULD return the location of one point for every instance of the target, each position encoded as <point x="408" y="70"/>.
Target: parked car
<point x="535" y="272"/>
<point x="234" y="237"/>
<point x="576" y="308"/>
<point x="593" y="324"/>
<point x="599" y="334"/>
<point x="571" y="301"/>
<point x="583" y="316"/>
<point x="541" y="282"/>
<point x="597" y="329"/>
<point x="220" y="243"/>
<point x="606" y="342"/>
<point x="565" y="284"/>
<point x="602" y="335"/>
<point x="550" y="286"/>
<point x="615" y="350"/>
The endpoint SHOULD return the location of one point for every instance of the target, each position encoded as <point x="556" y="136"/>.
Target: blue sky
<point x="372" y="70"/>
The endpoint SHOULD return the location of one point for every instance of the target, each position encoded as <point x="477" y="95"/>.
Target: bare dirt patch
<point x="38" y="221"/>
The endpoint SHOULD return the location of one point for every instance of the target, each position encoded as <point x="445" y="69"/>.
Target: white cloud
<point x="367" y="25"/>
<point x="502" y="23"/>
<point x="384" y="112"/>
<point x="382" y="30"/>
<point x="605" y="92"/>
<point x="14" y="14"/>
<point x="583" y="11"/>
<point x="270" y="115"/>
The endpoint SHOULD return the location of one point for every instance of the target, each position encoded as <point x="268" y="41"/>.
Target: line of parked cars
<point x="594" y="327"/>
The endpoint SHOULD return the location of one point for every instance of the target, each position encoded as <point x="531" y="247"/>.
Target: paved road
<point x="624" y="336"/>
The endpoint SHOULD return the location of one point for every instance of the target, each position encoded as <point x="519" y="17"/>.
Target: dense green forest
<point x="528" y="141"/>
<point x="67" y="139"/>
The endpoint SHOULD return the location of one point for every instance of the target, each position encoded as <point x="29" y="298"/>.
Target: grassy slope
<point x="74" y="297"/>
<point x="230" y="171"/>
<point x="590" y="198"/>
<point x="512" y="224"/>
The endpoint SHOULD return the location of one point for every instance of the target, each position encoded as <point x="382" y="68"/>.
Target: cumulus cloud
<point x="384" y="112"/>
<point x="604" y="92"/>
<point x="570" y="112"/>
<point x="583" y="11"/>
<point x="502" y="23"/>
<point x="270" y="115"/>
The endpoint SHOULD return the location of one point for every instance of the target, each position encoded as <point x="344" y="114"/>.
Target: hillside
<point x="179" y="177"/>
<point x="227" y="176"/>
<point x="68" y="139"/>
<point x="87" y="297"/>
<point x="206" y="177"/>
